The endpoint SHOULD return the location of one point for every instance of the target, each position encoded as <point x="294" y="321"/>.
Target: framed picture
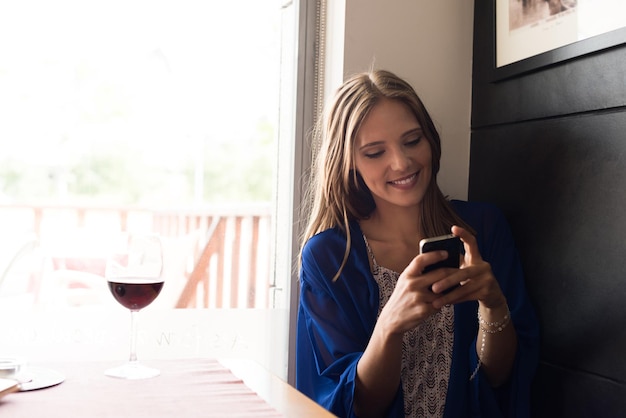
<point x="530" y="34"/>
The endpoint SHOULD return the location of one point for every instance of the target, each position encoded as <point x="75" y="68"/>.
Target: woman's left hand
<point x="475" y="277"/>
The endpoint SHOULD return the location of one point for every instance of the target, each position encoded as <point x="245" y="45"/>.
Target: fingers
<point x="470" y="244"/>
<point x="413" y="278"/>
<point x="475" y="282"/>
<point x="420" y="262"/>
<point x="450" y="294"/>
<point x="446" y="285"/>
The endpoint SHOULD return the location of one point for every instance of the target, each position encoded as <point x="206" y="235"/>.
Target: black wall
<point x="549" y="148"/>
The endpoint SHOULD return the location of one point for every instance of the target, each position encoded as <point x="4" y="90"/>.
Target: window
<point x="175" y="116"/>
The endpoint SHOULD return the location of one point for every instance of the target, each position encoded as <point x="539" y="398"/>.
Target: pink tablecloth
<point x="185" y="388"/>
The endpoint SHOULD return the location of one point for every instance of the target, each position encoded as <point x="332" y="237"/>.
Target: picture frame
<point x="532" y="34"/>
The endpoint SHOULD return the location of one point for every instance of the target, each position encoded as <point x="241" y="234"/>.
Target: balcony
<point x="215" y="257"/>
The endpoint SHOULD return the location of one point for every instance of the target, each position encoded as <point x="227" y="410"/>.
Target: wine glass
<point x="134" y="275"/>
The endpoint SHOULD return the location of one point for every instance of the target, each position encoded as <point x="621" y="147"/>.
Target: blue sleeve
<point x="497" y="247"/>
<point x="335" y="322"/>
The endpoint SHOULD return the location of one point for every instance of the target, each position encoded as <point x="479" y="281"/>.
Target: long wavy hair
<point x="337" y="194"/>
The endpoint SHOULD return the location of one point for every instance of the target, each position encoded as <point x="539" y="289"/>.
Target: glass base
<point x="132" y="371"/>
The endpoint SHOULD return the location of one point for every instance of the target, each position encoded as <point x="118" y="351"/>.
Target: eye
<point x="414" y="142"/>
<point x="374" y="154"/>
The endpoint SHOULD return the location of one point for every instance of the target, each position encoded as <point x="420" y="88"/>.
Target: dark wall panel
<point x="585" y="84"/>
<point x="549" y="148"/>
<point x="565" y="196"/>
<point x="562" y="392"/>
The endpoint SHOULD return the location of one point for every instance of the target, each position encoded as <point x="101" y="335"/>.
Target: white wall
<point x="427" y="42"/>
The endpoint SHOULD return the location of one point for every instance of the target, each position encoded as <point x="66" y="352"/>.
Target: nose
<point x="400" y="160"/>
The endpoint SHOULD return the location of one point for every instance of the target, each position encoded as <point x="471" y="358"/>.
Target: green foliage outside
<point x="234" y="171"/>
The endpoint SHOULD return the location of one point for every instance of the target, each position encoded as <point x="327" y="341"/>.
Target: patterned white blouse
<point x="426" y="352"/>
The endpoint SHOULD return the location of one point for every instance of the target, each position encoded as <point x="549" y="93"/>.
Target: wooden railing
<point x="222" y="254"/>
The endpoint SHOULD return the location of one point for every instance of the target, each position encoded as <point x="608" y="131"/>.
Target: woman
<point x="376" y="336"/>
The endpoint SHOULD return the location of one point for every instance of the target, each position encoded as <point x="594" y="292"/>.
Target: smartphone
<point x="449" y="243"/>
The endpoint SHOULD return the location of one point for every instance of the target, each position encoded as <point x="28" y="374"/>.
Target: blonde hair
<point x="337" y="193"/>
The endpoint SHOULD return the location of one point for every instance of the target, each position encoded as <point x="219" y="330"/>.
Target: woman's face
<point x="393" y="156"/>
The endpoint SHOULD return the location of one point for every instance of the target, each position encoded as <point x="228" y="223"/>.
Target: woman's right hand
<point x="411" y="301"/>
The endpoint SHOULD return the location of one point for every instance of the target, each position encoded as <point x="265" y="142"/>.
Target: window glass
<point x="160" y="116"/>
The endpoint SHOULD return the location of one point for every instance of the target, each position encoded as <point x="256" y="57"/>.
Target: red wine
<point x="135" y="294"/>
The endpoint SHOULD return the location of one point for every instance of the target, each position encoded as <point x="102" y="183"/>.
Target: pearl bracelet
<point x="494" y="327"/>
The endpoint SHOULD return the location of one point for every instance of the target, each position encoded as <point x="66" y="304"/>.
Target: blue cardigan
<point x="336" y="320"/>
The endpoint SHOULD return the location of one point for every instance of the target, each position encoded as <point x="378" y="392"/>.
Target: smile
<point x="406" y="180"/>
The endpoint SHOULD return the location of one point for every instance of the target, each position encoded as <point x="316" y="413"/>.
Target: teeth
<point x="405" y="181"/>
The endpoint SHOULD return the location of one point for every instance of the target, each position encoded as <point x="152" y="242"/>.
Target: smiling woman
<point x="378" y="334"/>
<point x="393" y="158"/>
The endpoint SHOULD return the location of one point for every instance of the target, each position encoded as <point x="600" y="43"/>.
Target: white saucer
<point x="32" y="378"/>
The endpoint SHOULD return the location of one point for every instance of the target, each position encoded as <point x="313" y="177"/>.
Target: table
<point x="284" y="397"/>
<point x="201" y="387"/>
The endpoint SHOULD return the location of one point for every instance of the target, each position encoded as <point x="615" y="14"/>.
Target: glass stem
<point x="133" y="336"/>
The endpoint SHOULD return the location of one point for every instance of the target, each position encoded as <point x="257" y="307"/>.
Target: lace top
<point x="426" y="353"/>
